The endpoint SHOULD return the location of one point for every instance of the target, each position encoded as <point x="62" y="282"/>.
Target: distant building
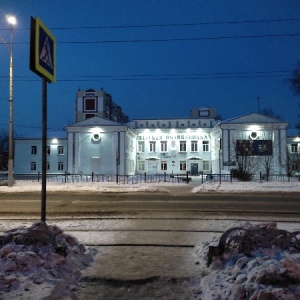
<point x="293" y="152"/>
<point x="103" y="141"/>
<point x="175" y="145"/>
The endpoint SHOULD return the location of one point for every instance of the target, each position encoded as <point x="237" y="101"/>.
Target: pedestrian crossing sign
<point x="42" y="50"/>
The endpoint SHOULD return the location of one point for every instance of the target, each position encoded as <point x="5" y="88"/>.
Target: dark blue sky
<point x="156" y="58"/>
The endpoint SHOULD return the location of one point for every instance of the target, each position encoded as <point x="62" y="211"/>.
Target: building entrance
<point x="194" y="168"/>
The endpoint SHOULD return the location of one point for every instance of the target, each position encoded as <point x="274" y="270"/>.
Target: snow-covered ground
<point x="47" y="263"/>
<point x="194" y="186"/>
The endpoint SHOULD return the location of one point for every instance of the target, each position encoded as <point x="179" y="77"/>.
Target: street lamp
<point x="10" y="179"/>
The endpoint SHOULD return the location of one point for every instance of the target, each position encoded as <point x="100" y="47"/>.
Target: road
<point x="81" y="203"/>
<point x="146" y="242"/>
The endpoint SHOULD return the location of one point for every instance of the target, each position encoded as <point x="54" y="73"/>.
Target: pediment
<point x="251" y="118"/>
<point x="95" y="121"/>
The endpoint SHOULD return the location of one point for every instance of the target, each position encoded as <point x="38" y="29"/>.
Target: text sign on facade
<point x="42" y="50"/>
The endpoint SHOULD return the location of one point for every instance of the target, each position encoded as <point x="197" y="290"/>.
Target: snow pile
<point x="253" y="263"/>
<point x="40" y="262"/>
<point x="103" y="187"/>
<point x="242" y="187"/>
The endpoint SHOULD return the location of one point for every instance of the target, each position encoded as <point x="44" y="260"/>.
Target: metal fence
<point x="147" y="178"/>
<point x="254" y="178"/>
<point x="119" y="179"/>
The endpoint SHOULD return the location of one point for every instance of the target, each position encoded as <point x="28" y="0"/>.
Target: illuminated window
<point x="183" y="165"/>
<point x="141" y="146"/>
<point x="182" y="146"/>
<point x="152" y="146"/>
<point x="33" y="149"/>
<point x="205" y="146"/>
<point x="163" y="146"/>
<point x="163" y="166"/>
<point x="194" y="146"/>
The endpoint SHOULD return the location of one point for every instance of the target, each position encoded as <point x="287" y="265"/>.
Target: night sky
<point x="157" y="58"/>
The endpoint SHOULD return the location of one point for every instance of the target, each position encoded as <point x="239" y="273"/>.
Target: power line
<point x="177" y="24"/>
<point x="195" y="39"/>
<point x="191" y="24"/>
<point x="164" y="77"/>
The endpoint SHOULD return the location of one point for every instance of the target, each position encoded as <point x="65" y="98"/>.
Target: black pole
<point x="44" y="149"/>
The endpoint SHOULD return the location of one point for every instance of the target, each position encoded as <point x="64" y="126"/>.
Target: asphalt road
<point x="96" y="203"/>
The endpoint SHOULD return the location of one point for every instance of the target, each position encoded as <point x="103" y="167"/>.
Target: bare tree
<point x="295" y="80"/>
<point x="3" y="149"/>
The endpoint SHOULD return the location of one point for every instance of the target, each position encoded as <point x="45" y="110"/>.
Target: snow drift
<point x="40" y="262"/>
<point x="255" y="263"/>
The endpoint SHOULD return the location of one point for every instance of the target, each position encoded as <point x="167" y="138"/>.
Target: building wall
<point x="91" y="103"/>
<point x="26" y="157"/>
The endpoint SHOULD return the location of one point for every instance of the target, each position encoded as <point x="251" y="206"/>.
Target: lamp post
<point x="10" y="179"/>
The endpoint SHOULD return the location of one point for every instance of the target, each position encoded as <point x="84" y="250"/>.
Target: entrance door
<point x="152" y="167"/>
<point x="194" y="168"/>
<point x="95" y="164"/>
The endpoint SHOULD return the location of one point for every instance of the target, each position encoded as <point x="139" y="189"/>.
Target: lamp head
<point x="11" y="20"/>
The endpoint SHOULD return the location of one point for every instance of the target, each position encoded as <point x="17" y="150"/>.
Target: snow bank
<point x="241" y="187"/>
<point x="34" y="186"/>
<point x="253" y="263"/>
<point x="40" y="262"/>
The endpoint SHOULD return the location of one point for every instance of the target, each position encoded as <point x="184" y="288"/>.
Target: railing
<point x="119" y="179"/>
<point x="255" y="177"/>
<point x="147" y="178"/>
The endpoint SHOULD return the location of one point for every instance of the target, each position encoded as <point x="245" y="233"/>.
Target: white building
<point x="102" y="141"/>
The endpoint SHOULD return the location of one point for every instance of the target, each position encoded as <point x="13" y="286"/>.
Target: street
<point x="97" y="203"/>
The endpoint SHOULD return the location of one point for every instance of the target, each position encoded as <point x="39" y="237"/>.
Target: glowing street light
<point x="12" y="21"/>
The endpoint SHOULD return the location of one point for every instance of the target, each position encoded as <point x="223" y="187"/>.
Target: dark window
<point x="60" y="150"/>
<point x="89" y="104"/>
<point x="33" y="149"/>
<point x="33" y="166"/>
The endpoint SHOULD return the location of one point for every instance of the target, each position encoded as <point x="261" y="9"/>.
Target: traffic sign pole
<point x="44" y="150"/>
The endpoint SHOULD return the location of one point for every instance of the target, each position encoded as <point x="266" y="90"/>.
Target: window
<point x="141" y="166"/>
<point x="60" y="166"/>
<point x="163" y="166"/>
<point x="163" y="146"/>
<point x="89" y="104"/>
<point x="205" y="146"/>
<point x="183" y="165"/>
<point x="182" y="146"/>
<point x="48" y="150"/>
<point x="60" y="150"/>
<point x="204" y="113"/>
<point x="294" y="148"/>
<point x="152" y="146"/>
<point x="141" y="147"/>
<point x="194" y="146"/>
<point x="33" y="166"/>
<point x="88" y="116"/>
<point x="48" y="166"/>
<point x="205" y="165"/>
<point x="33" y="149"/>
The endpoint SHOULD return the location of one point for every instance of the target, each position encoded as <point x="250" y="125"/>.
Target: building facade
<point x="102" y="141"/>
